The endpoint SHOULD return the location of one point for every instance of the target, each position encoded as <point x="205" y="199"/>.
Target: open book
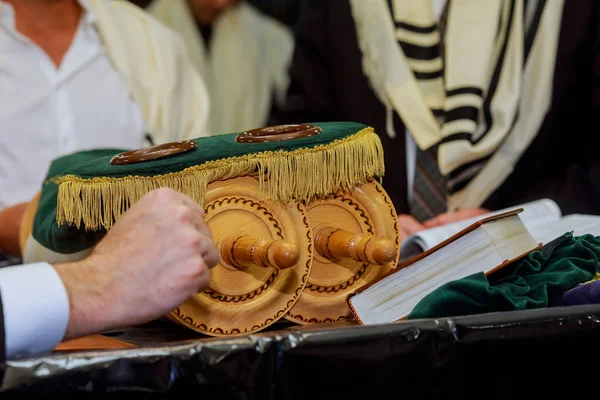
<point x="484" y="246"/>
<point x="543" y="218"/>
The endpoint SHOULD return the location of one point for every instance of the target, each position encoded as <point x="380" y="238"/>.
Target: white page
<point x="534" y="213"/>
<point x="579" y="224"/>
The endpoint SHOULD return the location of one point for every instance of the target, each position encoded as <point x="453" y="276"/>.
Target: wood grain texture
<point x="366" y="212"/>
<point x="246" y="300"/>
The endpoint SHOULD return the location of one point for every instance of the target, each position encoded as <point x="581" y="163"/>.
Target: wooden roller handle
<point x="336" y="244"/>
<point x="245" y="251"/>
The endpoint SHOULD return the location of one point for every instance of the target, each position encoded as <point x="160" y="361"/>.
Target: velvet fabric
<point x="585" y="293"/>
<point x="92" y="164"/>
<point x="64" y="239"/>
<point x="536" y="281"/>
<point x="209" y="149"/>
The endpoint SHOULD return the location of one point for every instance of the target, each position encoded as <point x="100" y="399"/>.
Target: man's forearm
<point x="91" y="309"/>
<point x="10" y="223"/>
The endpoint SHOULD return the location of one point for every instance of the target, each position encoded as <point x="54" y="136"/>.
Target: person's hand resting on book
<point x="454" y="216"/>
<point x="409" y="225"/>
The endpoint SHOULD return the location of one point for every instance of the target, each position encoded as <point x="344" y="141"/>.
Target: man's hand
<point x="153" y="259"/>
<point x="408" y="225"/>
<point x="454" y="216"/>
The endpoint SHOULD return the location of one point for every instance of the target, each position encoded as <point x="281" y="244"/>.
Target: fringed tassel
<point x="302" y="174"/>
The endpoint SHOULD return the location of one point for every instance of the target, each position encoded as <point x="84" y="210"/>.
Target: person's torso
<point x="46" y="112"/>
<point x="560" y="143"/>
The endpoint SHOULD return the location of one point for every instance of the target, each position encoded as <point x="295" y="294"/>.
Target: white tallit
<point x="490" y="93"/>
<point x="246" y="65"/>
<point x="154" y="66"/>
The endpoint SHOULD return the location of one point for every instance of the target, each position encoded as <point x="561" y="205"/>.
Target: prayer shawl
<point x="153" y="64"/>
<point x="482" y="96"/>
<point x="244" y="68"/>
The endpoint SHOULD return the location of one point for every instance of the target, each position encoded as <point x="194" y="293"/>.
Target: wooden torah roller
<point x="356" y="240"/>
<point x="266" y="255"/>
<point x="297" y="261"/>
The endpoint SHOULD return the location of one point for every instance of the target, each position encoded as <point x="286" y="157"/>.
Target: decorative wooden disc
<point x="153" y="152"/>
<point x="367" y="211"/>
<point x="278" y="133"/>
<point x="246" y="300"/>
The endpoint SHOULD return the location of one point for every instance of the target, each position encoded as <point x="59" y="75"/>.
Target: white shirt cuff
<point x="36" y="309"/>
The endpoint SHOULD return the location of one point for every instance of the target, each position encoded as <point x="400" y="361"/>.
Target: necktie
<point x="429" y="186"/>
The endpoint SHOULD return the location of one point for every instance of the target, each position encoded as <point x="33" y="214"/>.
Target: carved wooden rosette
<point x="356" y="240"/>
<point x="266" y="256"/>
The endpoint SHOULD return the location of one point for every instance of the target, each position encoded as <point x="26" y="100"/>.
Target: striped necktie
<point x="430" y="186"/>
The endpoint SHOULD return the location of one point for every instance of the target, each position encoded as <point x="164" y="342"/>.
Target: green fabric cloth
<point x="64" y="239"/>
<point x="536" y="281"/>
<point x="210" y="149"/>
<point x="91" y="164"/>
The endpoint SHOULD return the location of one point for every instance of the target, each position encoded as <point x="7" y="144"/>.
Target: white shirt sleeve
<point x="36" y="308"/>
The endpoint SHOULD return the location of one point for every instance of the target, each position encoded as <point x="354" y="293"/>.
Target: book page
<point x="534" y="213"/>
<point x="579" y="224"/>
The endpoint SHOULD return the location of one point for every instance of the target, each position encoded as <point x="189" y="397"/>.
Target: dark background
<point x="285" y="11"/>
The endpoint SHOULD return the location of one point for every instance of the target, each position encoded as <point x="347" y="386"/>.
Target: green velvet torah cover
<point x="65" y="239"/>
<point x="80" y="188"/>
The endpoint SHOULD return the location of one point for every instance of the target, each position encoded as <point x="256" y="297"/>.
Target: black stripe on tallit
<point x="462" y="112"/>
<point x="459" y="185"/>
<point x="428" y="75"/>
<point x="487" y="113"/>
<point x="416" y="52"/>
<point x="416" y="29"/>
<point x="532" y="30"/>
<point x="530" y="35"/>
<point x="487" y="102"/>
<point x="465" y="90"/>
<point x="410" y="27"/>
<point x="437" y="112"/>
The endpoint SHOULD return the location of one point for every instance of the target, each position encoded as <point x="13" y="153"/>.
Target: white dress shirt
<point x="36" y="309"/>
<point x="47" y="112"/>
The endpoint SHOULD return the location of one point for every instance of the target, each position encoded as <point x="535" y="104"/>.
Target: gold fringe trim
<point x="302" y="174"/>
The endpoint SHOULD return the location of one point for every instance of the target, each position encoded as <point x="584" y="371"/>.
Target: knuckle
<point x="203" y="279"/>
<point x="197" y="207"/>
<point x="199" y="271"/>
<point x="183" y="214"/>
<point x="163" y="193"/>
<point x="193" y="241"/>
